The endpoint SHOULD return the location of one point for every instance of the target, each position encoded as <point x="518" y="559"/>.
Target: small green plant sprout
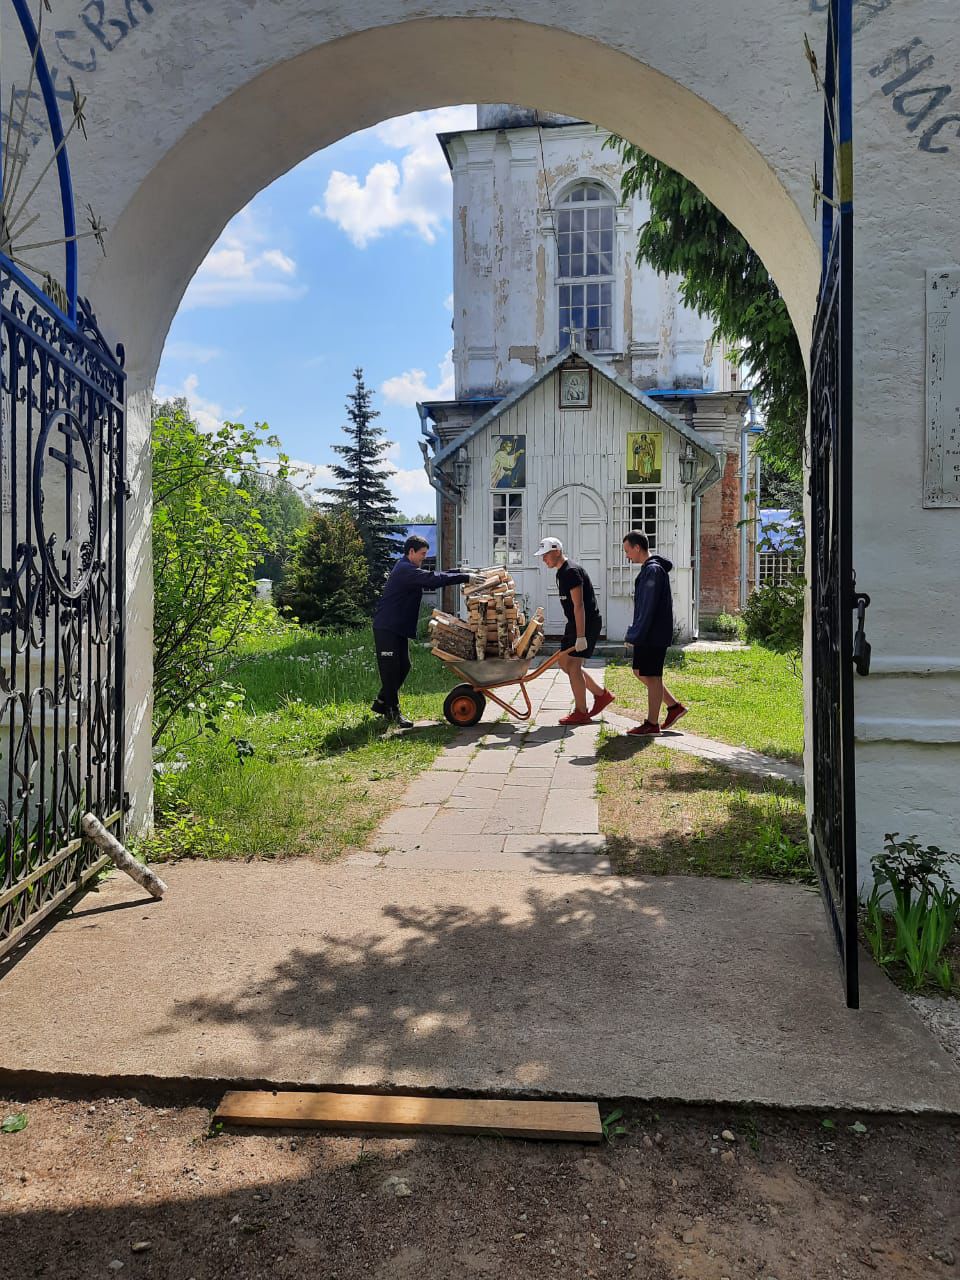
<point x="14" y="1123"/>
<point x="214" y="1130"/>
<point x="612" y="1125"/>
<point x="910" y="915"/>
<point x="828" y="1124"/>
<point x="859" y="1127"/>
<point x="364" y="1157"/>
<point x="751" y="1132"/>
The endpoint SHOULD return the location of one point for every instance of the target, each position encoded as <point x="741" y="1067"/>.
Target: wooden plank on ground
<point x="558" y="1121"/>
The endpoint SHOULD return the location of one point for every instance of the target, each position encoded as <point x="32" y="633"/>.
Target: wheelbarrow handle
<point x="544" y="666"/>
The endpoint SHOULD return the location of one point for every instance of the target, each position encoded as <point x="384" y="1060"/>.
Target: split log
<point x="94" y="830"/>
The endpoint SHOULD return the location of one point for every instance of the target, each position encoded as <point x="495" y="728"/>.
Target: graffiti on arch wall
<point x="914" y="82"/>
<point x="78" y="46"/>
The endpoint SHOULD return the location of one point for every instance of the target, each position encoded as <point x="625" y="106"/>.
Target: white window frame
<point x="775" y="568"/>
<point x="512" y="552"/>
<point x="660" y="525"/>
<point x="566" y="205"/>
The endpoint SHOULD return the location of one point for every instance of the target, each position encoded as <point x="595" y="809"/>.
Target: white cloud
<point x="192" y="352"/>
<point x="208" y="414"/>
<point x="409" y="387"/>
<point x="414" y="193"/>
<point x="448" y="301"/>
<point x="410" y="487"/>
<point x="308" y="478"/>
<point x="411" y="484"/>
<point x="244" y="267"/>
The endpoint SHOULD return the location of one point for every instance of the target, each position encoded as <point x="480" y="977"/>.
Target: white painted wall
<point x="584" y="449"/>
<point x="507" y="185"/>
<point x="194" y="108"/>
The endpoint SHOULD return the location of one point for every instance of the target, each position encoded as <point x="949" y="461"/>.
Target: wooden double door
<point x="577" y="516"/>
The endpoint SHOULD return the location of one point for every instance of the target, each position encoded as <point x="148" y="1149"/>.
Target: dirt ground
<point x="134" y="1187"/>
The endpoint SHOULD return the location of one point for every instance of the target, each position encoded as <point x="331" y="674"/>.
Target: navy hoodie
<point x="652" y="605"/>
<point x="399" y="606"/>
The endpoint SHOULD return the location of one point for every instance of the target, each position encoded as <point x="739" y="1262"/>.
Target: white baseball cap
<point x="549" y="544"/>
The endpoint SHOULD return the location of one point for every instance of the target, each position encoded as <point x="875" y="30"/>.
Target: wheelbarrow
<point x="465" y="703"/>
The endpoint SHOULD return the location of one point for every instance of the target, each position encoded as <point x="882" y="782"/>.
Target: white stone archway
<point x="193" y="109"/>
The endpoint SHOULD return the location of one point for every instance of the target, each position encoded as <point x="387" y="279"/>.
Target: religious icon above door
<point x="508" y="468"/>
<point x="644" y="457"/>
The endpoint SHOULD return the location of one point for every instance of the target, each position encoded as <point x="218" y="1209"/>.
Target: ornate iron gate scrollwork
<point x="62" y="565"/>
<point x="834" y="595"/>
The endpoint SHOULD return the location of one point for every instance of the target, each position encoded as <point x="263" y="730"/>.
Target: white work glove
<point x="581" y="644"/>
<point x="477" y="579"/>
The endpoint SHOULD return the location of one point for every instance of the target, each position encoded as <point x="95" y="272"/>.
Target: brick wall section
<point x="720" y="543"/>
<point x="448" y="552"/>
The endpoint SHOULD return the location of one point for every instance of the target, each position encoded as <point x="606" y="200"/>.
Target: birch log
<point x="94" y="830"/>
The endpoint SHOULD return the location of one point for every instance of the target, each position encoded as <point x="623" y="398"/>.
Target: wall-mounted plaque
<point x="575" y="388"/>
<point x="941" y="474"/>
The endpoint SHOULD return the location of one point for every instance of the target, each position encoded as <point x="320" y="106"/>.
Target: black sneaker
<point x="400" y="720"/>
<point x="380" y="708"/>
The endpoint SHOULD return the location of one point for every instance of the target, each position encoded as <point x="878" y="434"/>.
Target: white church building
<point x="588" y="399"/>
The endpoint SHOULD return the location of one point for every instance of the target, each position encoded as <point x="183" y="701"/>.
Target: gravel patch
<point x="943" y="1019"/>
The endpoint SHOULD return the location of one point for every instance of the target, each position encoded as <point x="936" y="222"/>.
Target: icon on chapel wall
<point x="575" y="388"/>
<point x="644" y="457"/>
<point x="508" y="469"/>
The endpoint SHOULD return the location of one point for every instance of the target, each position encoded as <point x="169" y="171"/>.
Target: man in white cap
<point x="584" y="624"/>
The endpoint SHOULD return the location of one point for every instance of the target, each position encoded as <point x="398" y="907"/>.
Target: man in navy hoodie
<point x="395" y="622"/>
<point x="651" y="632"/>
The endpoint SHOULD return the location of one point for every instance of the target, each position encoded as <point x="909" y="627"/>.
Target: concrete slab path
<point x="487" y="961"/>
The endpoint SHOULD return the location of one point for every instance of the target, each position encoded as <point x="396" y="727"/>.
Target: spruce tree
<point x="326" y="581"/>
<point x="361" y="487"/>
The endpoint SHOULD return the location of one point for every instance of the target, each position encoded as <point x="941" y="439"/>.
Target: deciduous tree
<point x="724" y="278"/>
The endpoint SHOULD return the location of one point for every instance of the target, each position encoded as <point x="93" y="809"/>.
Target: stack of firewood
<point x="496" y="626"/>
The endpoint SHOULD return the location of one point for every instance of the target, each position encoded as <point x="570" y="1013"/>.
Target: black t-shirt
<point x="569" y="576"/>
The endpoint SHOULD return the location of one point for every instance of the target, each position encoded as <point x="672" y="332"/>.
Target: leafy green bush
<point x="207" y="535"/>
<point x="774" y="616"/>
<point x="910" y="916"/>
<point x="726" y="624"/>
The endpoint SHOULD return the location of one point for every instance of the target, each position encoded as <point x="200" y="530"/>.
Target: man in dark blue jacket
<point x="395" y="622"/>
<point x="651" y="632"/>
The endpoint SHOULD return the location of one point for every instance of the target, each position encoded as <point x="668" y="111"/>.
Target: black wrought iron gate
<point x="62" y="561"/>
<point x="833" y="583"/>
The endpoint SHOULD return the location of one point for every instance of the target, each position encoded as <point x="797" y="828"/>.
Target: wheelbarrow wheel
<point x="464" y="706"/>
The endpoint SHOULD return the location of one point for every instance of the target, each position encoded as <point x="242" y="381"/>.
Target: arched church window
<point x="585" y="222"/>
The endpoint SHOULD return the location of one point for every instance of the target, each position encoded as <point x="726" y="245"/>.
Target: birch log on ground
<point x="94" y="830"/>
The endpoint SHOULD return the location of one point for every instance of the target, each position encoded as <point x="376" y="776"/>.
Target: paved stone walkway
<point x="507" y="795"/>
<point x="510" y="795"/>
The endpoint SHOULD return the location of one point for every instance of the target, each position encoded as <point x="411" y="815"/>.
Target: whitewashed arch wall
<point x="194" y="108"/>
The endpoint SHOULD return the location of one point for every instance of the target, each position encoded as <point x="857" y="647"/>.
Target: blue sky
<point x="344" y="261"/>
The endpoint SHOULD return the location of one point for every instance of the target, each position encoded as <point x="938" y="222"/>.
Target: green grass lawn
<point x="320" y="772"/>
<point x="667" y="813"/>
<point x="747" y="697"/>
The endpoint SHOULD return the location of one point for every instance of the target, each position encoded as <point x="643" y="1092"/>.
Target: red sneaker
<point x="643" y="730"/>
<point x="673" y="715"/>
<point x="602" y="700"/>
<point x="575" y="717"/>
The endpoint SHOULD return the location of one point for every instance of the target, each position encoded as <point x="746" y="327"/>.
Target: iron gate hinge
<point x="861" y="645"/>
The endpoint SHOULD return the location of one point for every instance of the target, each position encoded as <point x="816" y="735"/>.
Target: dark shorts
<point x="648" y="660"/>
<point x="593" y="635"/>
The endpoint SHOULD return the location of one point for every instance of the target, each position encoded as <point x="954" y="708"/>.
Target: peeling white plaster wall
<point x="507" y="186"/>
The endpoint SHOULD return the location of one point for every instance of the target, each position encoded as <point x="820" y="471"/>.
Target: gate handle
<point x="861" y="645"/>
